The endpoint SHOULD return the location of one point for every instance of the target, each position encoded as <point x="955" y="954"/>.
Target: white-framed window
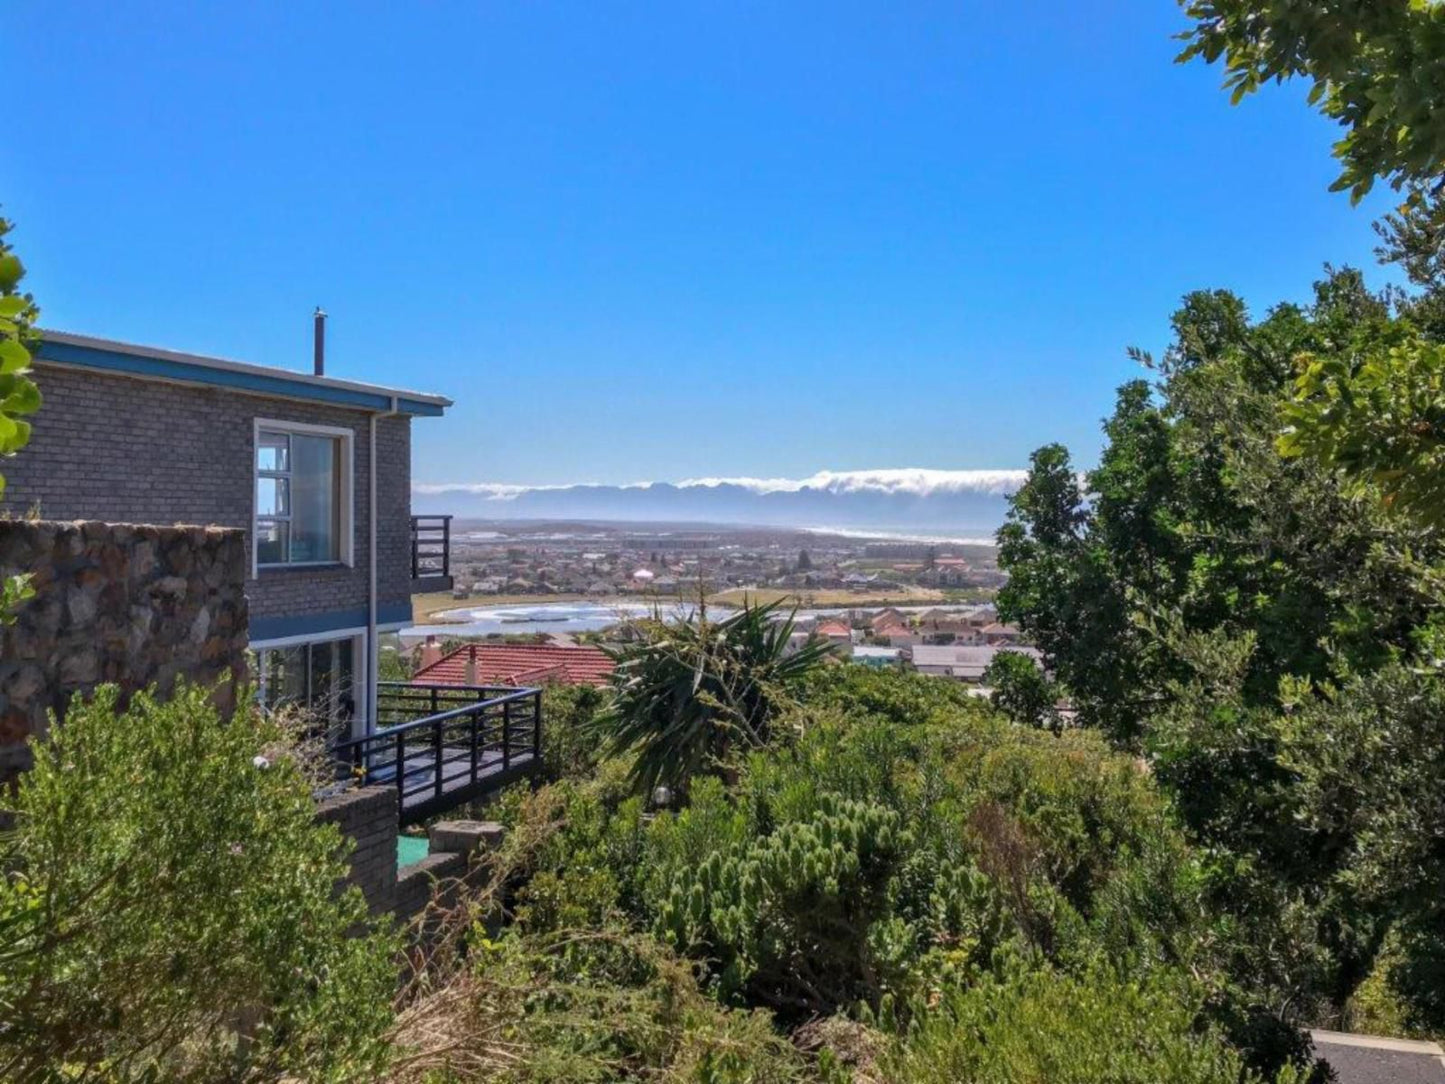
<point x="304" y="494"/>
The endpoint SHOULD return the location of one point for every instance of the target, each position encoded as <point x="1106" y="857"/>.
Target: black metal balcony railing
<point x="469" y="740"/>
<point x="431" y="548"/>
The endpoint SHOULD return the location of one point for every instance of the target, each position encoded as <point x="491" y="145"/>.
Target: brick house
<point x="316" y="470"/>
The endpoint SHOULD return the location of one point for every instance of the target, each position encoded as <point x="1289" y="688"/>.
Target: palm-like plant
<point x="690" y="693"/>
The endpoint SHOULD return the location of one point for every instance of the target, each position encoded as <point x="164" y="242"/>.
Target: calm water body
<point x="572" y="617"/>
<point x="557" y="617"/>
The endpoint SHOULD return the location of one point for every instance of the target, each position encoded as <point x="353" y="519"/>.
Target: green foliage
<point x="1195" y="523"/>
<point x="1040" y="1027"/>
<point x="571" y="748"/>
<point x="1226" y="610"/>
<point x="18" y="394"/>
<point x="691" y="694"/>
<point x="1024" y="692"/>
<point x="1369" y="405"/>
<point x="787" y="916"/>
<point x="1374" y="68"/>
<point x="1379" y="418"/>
<point x="578" y="1005"/>
<point x="168" y="907"/>
<point x="893" y="842"/>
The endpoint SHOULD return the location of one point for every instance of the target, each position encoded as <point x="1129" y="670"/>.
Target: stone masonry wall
<point x="132" y="605"/>
<point x="119" y="448"/>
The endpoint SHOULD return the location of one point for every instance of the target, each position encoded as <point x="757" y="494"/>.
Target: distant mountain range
<point x="965" y="502"/>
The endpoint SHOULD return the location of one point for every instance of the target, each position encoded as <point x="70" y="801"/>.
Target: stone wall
<point x="132" y="605"/>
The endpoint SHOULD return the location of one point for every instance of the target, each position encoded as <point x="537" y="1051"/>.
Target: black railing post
<point x="537" y="727"/>
<point x="413" y="547"/>
<point x="446" y="545"/>
<point x="436" y="744"/>
<point x="506" y="734"/>
<point x="400" y="771"/>
<point x="476" y="722"/>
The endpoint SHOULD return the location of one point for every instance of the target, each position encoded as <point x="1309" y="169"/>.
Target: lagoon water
<point x="572" y="617"/>
<point x="555" y="617"/>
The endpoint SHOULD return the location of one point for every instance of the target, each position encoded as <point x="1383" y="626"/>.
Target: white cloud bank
<point x="897" y="481"/>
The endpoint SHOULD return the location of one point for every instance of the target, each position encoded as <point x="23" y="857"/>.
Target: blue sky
<point x="664" y="241"/>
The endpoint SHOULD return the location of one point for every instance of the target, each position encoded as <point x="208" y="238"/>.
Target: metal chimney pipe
<point x="318" y="356"/>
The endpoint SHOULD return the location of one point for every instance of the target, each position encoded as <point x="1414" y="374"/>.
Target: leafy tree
<point x="1371" y="408"/>
<point x="1375" y="68"/>
<point x="19" y="396"/>
<point x="1023" y="692"/>
<point x="692" y="693"/>
<point x="1380" y="418"/>
<point x="805" y="563"/>
<point x="1195" y="581"/>
<point x="1193" y="515"/>
<point x="168" y="908"/>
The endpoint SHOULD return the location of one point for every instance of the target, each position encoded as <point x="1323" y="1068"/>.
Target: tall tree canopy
<point x="1375" y="66"/>
<point x="1246" y="589"/>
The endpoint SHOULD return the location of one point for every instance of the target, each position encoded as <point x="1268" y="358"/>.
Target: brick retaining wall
<point x="368" y="817"/>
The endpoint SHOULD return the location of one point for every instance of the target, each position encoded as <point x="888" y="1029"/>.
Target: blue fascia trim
<point x="277" y="628"/>
<point x="260" y="383"/>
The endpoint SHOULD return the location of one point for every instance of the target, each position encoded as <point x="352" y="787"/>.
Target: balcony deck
<point x="444" y="745"/>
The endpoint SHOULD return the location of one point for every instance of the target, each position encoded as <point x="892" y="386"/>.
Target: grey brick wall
<point x="118" y="448"/>
<point x="368" y="819"/>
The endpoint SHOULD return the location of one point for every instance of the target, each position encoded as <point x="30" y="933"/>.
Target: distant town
<point x="599" y="560"/>
<point x="528" y="595"/>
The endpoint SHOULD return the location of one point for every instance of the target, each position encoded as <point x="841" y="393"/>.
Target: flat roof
<point x="85" y="351"/>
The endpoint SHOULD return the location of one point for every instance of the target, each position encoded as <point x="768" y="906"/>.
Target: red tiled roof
<point x="520" y="664"/>
<point x="834" y="628"/>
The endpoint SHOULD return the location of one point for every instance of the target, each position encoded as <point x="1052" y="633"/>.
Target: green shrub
<point x="1041" y="1027"/>
<point x="788" y="916"/>
<point x="580" y="1005"/>
<point x="691" y="695"/>
<point x="168" y="907"/>
<point x="893" y="846"/>
<point x="570" y="747"/>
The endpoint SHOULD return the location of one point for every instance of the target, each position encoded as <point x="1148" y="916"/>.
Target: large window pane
<point x="316" y="678"/>
<point x="285" y="675"/>
<point x="331" y="676"/>
<point x="314" y="501"/>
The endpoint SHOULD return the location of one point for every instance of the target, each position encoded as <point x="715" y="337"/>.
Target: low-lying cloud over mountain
<point x="970" y="501"/>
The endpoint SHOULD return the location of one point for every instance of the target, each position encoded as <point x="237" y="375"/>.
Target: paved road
<point x="1365" y="1059"/>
